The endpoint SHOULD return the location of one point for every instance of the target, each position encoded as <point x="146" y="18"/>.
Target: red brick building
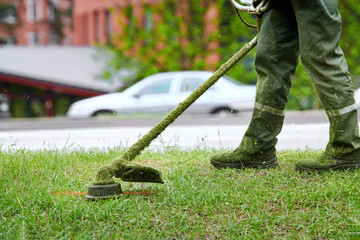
<point x="35" y="22"/>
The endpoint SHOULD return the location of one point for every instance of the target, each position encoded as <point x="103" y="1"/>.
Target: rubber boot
<point x="257" y="149"/>
<point x="342" y="151"/>
<point x="326" y="163"/>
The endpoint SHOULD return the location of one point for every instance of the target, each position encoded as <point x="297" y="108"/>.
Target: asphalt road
<point x="296" y="117"/>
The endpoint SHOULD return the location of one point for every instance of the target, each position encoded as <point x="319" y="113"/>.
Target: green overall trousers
<point x="309" y="29"/>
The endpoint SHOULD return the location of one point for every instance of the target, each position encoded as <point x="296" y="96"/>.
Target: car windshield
<point x="190" y="84"/>
<point x="158" y="87"/>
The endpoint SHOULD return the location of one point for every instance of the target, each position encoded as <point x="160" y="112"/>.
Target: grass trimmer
<point x="122" y="167"/>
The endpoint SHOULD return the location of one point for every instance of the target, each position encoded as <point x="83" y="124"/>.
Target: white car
<point x="357" y="97"/>
<point x="162" y="92"/>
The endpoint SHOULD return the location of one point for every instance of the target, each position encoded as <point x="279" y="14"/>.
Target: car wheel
<point x="224" y="113"/>
<point x="101" y="113"/>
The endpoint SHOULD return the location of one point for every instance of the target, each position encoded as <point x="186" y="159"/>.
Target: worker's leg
<point x="276" y="61"/>
<point x="319" y="26"/>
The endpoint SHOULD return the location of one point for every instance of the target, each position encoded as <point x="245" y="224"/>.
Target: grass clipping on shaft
<point x="123" y="168"/>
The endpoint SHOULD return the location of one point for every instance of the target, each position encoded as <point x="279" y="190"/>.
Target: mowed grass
<point x="196" y="201"/>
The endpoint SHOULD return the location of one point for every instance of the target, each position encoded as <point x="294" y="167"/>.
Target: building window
<point x="97" y="26"/>
<point x="11" y="40"/>
<point x="108" y="24"/>
<point x="53" y="38"/>
<point x="34" y="10"/>
<point x="30" y="11"/>
<point x="51" y="10"/>
<point x="149" y="25"/>
<point x="131" y="32"/>
<point x="8" y="14"/>
<point x="33" y="38"/>
<point x="39" y="10"/>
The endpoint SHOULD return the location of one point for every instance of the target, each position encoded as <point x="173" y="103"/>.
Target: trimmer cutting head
<point x="104" y="191"/>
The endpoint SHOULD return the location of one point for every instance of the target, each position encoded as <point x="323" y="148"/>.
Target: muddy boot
<point x="234" y="159"/>
<point x="326" y="163"/>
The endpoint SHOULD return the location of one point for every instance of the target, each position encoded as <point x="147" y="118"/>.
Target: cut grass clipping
<point x="42" y="197"/>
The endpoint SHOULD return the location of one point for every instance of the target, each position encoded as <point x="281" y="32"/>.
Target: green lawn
<point x="196" y="201"/>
